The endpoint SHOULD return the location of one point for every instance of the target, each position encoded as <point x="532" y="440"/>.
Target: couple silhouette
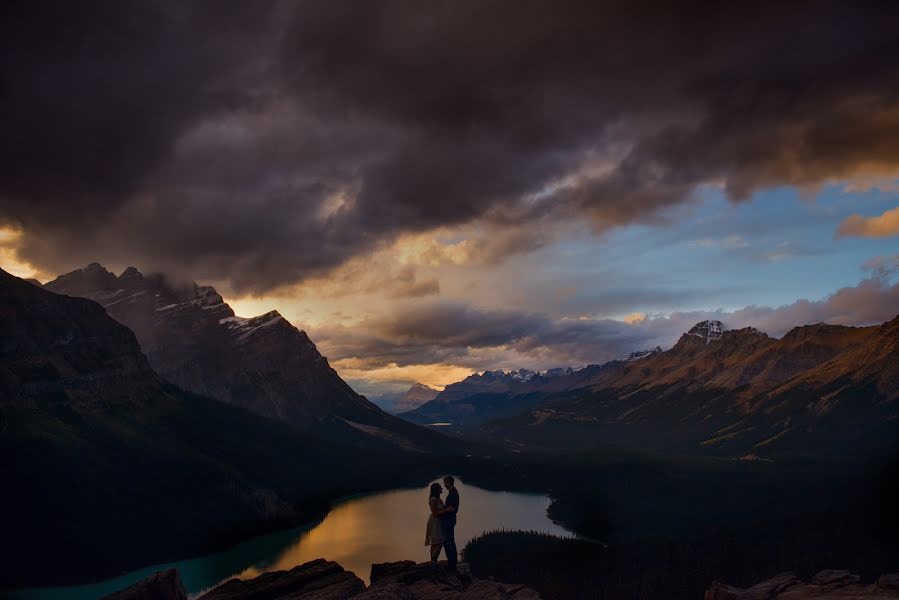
<point x="441" y="531"/>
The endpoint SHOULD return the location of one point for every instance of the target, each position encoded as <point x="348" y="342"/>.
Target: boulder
<point x="164" y="585"/>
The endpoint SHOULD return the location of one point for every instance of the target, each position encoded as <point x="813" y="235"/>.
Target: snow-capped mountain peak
<point x="707" y="330"/>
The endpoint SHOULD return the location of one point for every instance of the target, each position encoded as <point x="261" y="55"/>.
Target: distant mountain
<point x="193" y="339"/>
<point x="820" y="388"/>
<point x="494" y="394"/>
<point x="414" y="397"/>
<point x="97" y="452"/>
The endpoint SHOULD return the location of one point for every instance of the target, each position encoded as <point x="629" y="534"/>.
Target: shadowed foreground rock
<point x="407" y="580"/>
<point x="826" y="585"/>
<point x="326" y="580"/>
<point x="164" y="585"/>
<point x="316" y="580"/>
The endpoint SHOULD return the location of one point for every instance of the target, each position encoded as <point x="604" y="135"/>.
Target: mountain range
<point x="492" y="394"/>
<point x="193" y="339"/>
<point x="819" y="388"/>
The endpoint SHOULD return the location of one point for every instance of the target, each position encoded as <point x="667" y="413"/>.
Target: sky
<point x="435" y="188"/>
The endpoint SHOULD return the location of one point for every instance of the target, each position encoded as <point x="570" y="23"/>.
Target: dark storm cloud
<point x="263" y="143"/>
<point x="93" y="97"/>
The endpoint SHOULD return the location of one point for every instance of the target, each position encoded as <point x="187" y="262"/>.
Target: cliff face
<point x="264" y="364"/>
<point x="327" y="580"/>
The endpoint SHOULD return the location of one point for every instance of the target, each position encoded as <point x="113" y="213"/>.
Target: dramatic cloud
<point x="445" y="333"/>
<point x="271" y="143"/>
<point x="884" y="225"/>
<point x="457" y="334"/>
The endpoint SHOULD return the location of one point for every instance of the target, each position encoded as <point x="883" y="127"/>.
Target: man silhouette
<point x="448" y="521"/>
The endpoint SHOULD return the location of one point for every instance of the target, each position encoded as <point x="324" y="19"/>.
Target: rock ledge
<point x="326" y="580"/>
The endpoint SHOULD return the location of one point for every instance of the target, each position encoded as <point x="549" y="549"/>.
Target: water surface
<point x="357" y="532"/>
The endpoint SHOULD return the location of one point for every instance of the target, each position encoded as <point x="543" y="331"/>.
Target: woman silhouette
<point x="434" y="533"/>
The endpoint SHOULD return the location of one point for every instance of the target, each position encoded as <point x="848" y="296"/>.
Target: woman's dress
<point x="434" y="533"/>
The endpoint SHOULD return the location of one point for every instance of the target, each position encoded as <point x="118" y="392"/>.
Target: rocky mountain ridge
<point x="737" y="392"/>
<point x="264" y="364"/>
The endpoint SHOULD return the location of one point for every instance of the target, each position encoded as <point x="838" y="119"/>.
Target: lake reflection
<point x="391" y="526"/>
<point x="360" y="531"/>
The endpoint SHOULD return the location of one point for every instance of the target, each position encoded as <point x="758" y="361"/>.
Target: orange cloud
<point x="883" y="225"/>
<point x="434" y="375"/>
<point x="9" y="256"/>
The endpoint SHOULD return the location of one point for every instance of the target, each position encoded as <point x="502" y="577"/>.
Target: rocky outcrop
<point x="316" y="580"/>
<point x="326" y="580"/>
<point x="164" y="585"/>
<point x="826" y="585"/>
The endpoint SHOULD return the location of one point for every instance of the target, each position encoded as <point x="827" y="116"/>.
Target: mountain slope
<point x="71" y="354"/>
<point x="97" y="451"/>
<point x="820" y="388"/>
<point x="193" y="339"/>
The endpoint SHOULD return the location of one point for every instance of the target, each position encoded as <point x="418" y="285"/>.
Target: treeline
<point x="666" y="568"/>
<point x="673" y="527"/>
